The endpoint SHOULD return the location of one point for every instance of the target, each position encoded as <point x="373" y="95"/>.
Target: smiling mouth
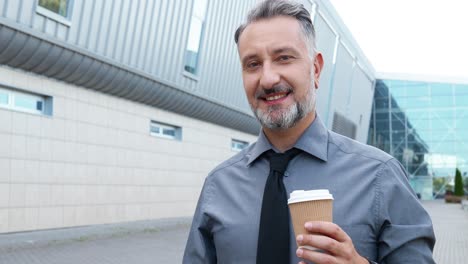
<point x="275" y="97"/>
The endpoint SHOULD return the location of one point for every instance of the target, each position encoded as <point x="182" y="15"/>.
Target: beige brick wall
<point x="93" y="161"/>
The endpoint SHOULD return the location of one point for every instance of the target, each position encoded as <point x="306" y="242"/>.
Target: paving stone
<point x="163" y="241"/>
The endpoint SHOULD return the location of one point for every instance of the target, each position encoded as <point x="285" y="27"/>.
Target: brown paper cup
<point x="312" y="210"/>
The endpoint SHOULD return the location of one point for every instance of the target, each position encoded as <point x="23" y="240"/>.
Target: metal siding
<point x="28" y="8"/>
<point x="342" y="82"/>
<point x="361" y="102"/>
<point x="77" y="15"/>
<point x="12" y="9"/>
<point x="96" y="26"/>
<point x="326" y="39"/>
<point x="3" y="8"/>
<point x="115" y="39"/>
<point x="144" y="36"/>
<point x="82" y="34"/>
<point x="108" y="18"/>
<point x="168" y="39"/>
<point x="61" y="31"/>
<point x="213" y="47"/>
<point x="140" y="32"/>
<point x="121" y="32"/>
<point x="156" y="44"/>
<point x="130" y="30"/>
<point x="152" y="33"/>
<point x="175" y="68"/>
<point x="50" y="27"/>
<point x="220" y="60"/>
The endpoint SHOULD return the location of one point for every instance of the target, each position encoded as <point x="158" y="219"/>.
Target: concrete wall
<point x="94" y="161"/>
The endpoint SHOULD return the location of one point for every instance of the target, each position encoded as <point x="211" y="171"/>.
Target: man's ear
<point x="318" y="66"/>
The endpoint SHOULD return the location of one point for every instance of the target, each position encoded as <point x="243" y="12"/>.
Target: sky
<point x="416" y="37"/>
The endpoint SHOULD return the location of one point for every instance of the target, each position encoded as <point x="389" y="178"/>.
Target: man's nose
<point x="270" y="77"/>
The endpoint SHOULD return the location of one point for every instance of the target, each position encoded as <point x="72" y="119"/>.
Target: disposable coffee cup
<point x="313" y="205"/>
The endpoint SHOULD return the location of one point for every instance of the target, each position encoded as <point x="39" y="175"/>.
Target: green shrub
<point x="458" y="183"/>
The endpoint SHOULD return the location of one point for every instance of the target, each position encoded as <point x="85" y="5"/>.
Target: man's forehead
<point x="277" y="23"/>
<point x="272" y="35"/>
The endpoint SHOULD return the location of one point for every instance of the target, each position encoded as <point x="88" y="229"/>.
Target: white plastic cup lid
<point x="311" y="195"/>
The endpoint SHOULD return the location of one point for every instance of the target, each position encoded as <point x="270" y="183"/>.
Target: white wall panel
<point x="326" y="43"/>
<point x="342" y="82"/>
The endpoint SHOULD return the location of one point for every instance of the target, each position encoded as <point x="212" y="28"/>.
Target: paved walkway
<point x="163" y="241"/>
<point x="451" y="229"/>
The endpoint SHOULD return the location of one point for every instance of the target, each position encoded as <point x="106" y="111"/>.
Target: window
<point x="166" y="131"/>
<point x="58" y="10"/>
<point x="195" y="36"/>
<point x="25" y="102"/>
<point x="59" y="7"/>
<point x="238" y="145"/>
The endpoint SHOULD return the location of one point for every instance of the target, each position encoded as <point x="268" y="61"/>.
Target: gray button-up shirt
<point x="373" y="202"/>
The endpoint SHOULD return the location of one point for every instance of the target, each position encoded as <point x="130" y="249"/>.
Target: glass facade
<point x="424" y="125"/>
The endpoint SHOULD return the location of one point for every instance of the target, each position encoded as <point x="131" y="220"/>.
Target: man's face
<point x="279" y="75"/>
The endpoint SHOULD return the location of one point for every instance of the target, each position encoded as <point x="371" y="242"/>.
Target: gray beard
<point x="276" y="118"/>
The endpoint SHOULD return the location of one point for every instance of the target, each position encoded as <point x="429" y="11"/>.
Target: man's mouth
<point x="275" y="96"/>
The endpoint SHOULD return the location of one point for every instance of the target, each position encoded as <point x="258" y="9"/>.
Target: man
<point x="377" y="217"/>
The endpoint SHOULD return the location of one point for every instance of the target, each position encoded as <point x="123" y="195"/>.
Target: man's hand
<point x="336" y="245"/>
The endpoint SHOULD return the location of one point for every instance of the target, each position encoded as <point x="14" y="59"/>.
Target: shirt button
<point x="286" y="174"/>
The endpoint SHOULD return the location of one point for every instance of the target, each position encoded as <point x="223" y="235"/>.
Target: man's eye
<point x="284" y="58"/>
<point x="252" y="65"/>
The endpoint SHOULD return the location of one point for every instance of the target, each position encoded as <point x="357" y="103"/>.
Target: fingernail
<point x="299" y="252"/>
<point x="308" y="225"/>
<point x="300" y="238"/>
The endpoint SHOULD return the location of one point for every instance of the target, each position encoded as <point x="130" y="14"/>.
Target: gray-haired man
<point x="377" y="216"/>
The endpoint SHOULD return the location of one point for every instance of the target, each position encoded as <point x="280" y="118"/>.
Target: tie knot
<point x="279" y="161"/>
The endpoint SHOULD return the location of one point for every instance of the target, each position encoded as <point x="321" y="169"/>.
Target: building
<point x="116" y="111"/>
<point x="422" y="122"/>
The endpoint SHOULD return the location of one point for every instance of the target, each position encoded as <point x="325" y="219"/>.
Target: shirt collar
<point x="314" y="141"/>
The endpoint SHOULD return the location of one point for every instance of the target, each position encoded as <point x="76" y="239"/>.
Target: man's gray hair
<point x="274" y="8"/>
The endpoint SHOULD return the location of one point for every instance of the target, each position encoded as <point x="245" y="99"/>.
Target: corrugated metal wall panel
<point x="12" y="9"/>
<point x="103" y="34"/>
<point x="178" y="42"/>
<point x="95" y="25"/>
<point x="26" y="14"/>
<point x="326" y="42"/>
<point x="220" y="81"/>
<point x="143" y="36"/>
<point x="155" y="12"/>
<point x="159" y="38"/>
<point x="151" y="36"/>
<point x="3" y="8"/>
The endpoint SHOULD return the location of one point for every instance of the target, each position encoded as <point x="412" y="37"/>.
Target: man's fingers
<point x="315" y="256"/>
<point x="321" y="242"/>
<point x="328" y="229"/>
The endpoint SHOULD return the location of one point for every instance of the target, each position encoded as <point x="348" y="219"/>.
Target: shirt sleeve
<point x="406" y="232"/>
<point x="200" y="246"/>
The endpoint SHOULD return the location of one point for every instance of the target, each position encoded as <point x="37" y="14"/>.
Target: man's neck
<point x="285" y="139"/>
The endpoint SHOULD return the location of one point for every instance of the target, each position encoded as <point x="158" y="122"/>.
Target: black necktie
<point x="273" y="236"/>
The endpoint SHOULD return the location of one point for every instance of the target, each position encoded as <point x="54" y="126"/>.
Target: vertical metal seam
<point x="332" y="75"/>
<point x="145" y="28"/>
<point x="18" y="14"/>
<point x="90" y="25"/>
<point x="119" y="20"/>
<point x="125" y="40"/>
<point x="151" y="32"/>
<point x="133" y="39"/>
<point x="163" y="39"/>
<point x="99" y="28"/>
<point x="5" y="4"/>
<point x="106" y="39"/>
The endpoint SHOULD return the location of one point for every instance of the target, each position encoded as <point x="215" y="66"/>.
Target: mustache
<point x="278" y="88"/>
